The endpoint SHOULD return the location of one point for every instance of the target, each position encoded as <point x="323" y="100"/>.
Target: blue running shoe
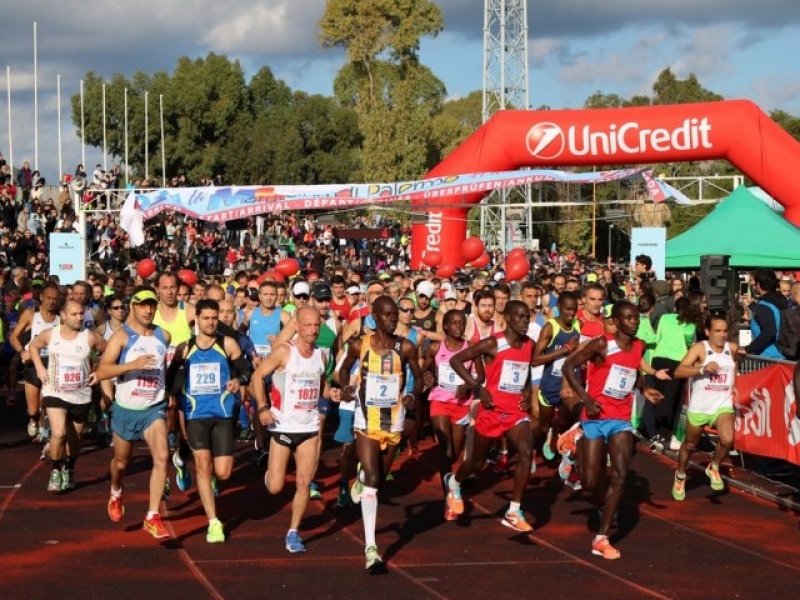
<point x="294" y="544"/>
<point x="182" y="476"/>
<point x="547" y="448"/>
<point x="313" y="491"/>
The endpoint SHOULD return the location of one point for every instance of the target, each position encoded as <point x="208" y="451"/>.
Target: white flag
<point x="131" y="220"/>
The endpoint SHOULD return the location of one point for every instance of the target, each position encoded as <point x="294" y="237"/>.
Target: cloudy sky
<point x="737" y="48"/>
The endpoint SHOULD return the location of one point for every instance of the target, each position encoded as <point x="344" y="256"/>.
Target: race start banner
<point x="66" y="257"/>
<point x="220" y="204"/>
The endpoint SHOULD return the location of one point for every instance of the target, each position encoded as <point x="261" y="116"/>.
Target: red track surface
<point x="722" y="545"/>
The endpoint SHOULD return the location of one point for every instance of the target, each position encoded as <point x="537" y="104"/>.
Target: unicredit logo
<point x="545" y="141"/>
<point x="548" y="141"/>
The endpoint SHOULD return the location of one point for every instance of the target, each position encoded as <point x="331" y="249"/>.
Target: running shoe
<point x="574" y="481"/>
<point x="294" y="544"/>
<point x="183" y="478"/>
<point x="717" y="484"/>
<point x="215" y="486"/>
<point x="566" y="466"/>
<point x="173" y="439"/>
<point x="356" y="490"/>
<point x="215" y="533"/>
<point x="344" y="500"/>
<point x="67" y="479"/>
<point x="568" y="441"/>
<point x="244" y="435"/>
<point x="516" y="521"/>
<point x="54" y="483"/>
<point x="547" y="447"/>
<point x="533" y="462"/>
<point x="602" y="547"/>
<point x="454" y="500"/>
<point x="115" y="509"/>
<point x="358" y="487"/>
<point x="374" y="560"/>
<point x="679" y="488"/>
<point x="449" y="515"/>
<point x="155" y="527"/>
<point x="313" y="491"/>
<point x="33" y="428"/>
<point x="45" y="455"/>
<point x="674" y="444"/>
<point x="501" y="464"/>
<point x="167" y="490"/>
<point x="389" y="477"/>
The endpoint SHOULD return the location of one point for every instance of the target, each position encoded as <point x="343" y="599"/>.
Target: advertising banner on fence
<point x="66" y="257"/>
<point x="766" y="414"/>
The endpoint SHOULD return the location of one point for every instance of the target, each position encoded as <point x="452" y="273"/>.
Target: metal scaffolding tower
<point x="505" y="85"/>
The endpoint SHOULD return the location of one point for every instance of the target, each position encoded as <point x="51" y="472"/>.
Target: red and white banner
<point x="766" y="414"/>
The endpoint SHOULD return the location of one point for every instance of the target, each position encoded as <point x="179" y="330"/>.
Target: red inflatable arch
<point x="735" y="130"/>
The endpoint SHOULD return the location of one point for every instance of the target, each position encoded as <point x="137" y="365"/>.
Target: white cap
<point x="447" y="286"/>
<point x="499" y="276"/>
<point x="425" y="288"/>
<point x="353" y="289"/>
<point x="228" y="272"/>
<point x="450" y="295"/>
<point x="301" y="287"/>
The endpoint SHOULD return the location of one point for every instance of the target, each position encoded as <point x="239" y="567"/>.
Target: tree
<point x="394" y="96"/>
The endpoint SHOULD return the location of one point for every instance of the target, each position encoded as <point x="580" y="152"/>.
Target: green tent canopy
<point x="744" y="228"/>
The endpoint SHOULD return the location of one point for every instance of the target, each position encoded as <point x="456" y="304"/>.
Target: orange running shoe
<point x="602" y="547"/>
<point x="115" y="509"/>
<point x="516" y="520"/>
<point x="155" y="527"/>
<point x="567" y="441"/>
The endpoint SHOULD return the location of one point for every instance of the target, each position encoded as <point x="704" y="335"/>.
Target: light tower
<point x="505" y="85"/>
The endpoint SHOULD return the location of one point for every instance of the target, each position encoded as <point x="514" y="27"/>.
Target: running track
<point x="727" y="545"/>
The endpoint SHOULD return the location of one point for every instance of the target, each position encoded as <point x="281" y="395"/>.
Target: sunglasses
<point x="120" y="307"/>
<point x="406" y="310"/>
<point x="301" y="296"/>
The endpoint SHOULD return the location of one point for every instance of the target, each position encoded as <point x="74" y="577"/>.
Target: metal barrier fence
<point x="751" y="362"/>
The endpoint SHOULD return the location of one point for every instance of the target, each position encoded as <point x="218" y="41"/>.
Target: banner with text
<point x="219" y="204"/>
<point x="766" y="414"/>
<point x="66" y="257"/>
<point x="651" y="241"/>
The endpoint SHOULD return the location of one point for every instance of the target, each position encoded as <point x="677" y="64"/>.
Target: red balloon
<point x="271" y="276"/>
<point x="480" y="262"/>
<point x="188" y="277"/>
<point x="432" y="258"/>
<point x="232" y="256"/>
<point x="446" y="270"/>
<point x="146" y="267"/>
<point x="517" y="269"/>
<point x="471" y="249"/>
<point x="515" y="253"/>
<point x="288" y="267"/>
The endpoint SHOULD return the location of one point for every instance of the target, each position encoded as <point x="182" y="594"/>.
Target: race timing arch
<point x="734" y="130"/>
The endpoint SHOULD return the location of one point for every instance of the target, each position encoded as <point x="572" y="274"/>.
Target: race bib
<point x="537" y="372"/>
<point x="205" y="379"/>
<point x="448" y="378"/>
<point x="383" y="391"/>
<point x="306" y="394"/>
<point x="719" y="382"/>
<point x="513" y="376"/>
<point x="70" y="378"/>
<point x="264" y="350"/>
<point x="558" y="365"/>
<point x="620" y="382"/>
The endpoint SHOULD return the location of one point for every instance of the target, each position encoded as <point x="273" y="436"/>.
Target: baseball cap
<point x="301" y="288"/>
<point x="450" y="295"/>
<point x="322" y="291"/>
<point x="426" y="288"/>
<point x="447" y="286"/>
<point x="499" y="276"/>
<point x="143" y="296"/>
<point x="227" y="272"/>
<point x="352" y="290"/>
<point x="591" y="277"/>
<point x="461" y="284"/>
